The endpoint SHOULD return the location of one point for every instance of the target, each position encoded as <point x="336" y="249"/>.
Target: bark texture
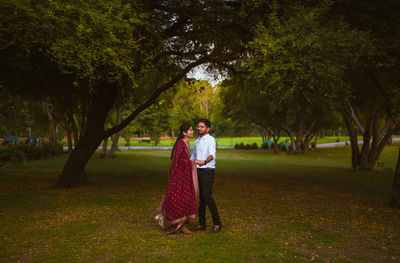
<point x="102" y="101"/>
<point x="114" y="146"/>
<point x="52" y="124"/>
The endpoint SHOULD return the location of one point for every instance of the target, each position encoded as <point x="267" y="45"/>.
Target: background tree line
<point x="293" y="67"/>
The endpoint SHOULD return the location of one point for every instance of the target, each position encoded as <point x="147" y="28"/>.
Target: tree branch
<point x="153" y="98"/>
<point x="354" y="117"/>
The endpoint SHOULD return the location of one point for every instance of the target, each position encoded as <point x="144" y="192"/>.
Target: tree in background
<point x="187" y="101"/>
<point x="85" y="54"/>
<point x="372" y="104"/>
<point x="293" y="70"/>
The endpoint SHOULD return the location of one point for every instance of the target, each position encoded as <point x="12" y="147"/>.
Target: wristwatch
<point x="205" y="161"/>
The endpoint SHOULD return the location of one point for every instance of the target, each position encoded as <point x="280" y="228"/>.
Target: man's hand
<point x="200" y="162"/>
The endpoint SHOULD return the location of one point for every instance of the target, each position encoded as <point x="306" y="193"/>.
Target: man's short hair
<point x="207" y="122"/>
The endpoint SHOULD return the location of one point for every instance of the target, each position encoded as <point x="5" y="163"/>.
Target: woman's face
<point x="189" y="133"/>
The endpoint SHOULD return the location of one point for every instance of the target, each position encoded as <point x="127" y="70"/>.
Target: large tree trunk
<point x="69" y="134"/>
<point x="276" y="139"/>
<point x="53" y="125"/>
<point x="105" y="145"/>
<point x="156" y="135"/>
<point x="114" y="146"/>
<point x="355" y="151"/>
<point x="292" y="140"/>
<point x="299" y="138"/>
<point x="395" y="202"/>
<point x="102" y="101"/>
<point x="370" y="152"/>
<point x="366" y="149"/>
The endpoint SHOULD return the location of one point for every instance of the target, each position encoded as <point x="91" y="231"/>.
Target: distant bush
<point x="337" y="139"/>
<point x="25" y="152"/>
<point x="239" y="146"/>
<point x="242" y="146"/>
<point x="265" y="145"/>
<point x="285" y="146"/>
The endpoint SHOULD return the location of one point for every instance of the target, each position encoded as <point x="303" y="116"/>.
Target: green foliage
<point x="20" y="111"/>
<point x="296" y="71"/>
<point x="187" y="101"/>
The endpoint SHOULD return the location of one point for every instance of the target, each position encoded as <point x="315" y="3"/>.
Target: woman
<point x="180" y="202"/>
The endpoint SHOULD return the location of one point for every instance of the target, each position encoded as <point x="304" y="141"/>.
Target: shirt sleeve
<point x="212" y="147"/>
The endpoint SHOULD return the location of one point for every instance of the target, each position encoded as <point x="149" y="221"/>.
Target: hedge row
<point x="282" y="146"/>
<point x="24" y="152"/>
<point x="243" y="146"/>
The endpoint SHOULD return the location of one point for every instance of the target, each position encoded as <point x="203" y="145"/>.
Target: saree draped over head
<point x="181" y="197"/>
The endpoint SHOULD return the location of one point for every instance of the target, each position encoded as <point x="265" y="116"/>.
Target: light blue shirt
<point x="204" y="147"/>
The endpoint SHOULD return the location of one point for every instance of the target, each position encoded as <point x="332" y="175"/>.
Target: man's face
<point x="202" y="128"/>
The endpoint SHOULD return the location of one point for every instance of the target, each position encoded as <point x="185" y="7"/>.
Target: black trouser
<point x="206" y="180"/>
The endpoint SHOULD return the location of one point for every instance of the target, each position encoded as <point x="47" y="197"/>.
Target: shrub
<point x="240" y="146"/>
<point x="24" y="152"/>
<point x="265" y="145"/>
<point x="337" y="139"/>
<point x="243" y="146"/>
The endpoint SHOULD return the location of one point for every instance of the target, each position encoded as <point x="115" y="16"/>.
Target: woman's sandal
<point x="161" y="221"/>
<point x="173" y="229"/>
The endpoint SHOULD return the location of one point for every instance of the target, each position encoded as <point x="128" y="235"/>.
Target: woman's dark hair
<point x="206" y="122"/>
<point x="184" y="128"/>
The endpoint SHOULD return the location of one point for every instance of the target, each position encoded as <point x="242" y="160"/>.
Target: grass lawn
<point x="274" y="208"/>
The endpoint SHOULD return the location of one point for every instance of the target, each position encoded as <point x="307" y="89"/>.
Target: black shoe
<point x="216" y="229"/>
<point x="199" y="228"/>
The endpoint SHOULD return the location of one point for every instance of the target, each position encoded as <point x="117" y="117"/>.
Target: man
<point x="204" y="153"/>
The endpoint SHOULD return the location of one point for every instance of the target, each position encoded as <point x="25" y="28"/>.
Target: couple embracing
<point x="190" y="182"/>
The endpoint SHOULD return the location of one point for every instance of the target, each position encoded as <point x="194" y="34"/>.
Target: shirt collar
<point x="204" y="136"/>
